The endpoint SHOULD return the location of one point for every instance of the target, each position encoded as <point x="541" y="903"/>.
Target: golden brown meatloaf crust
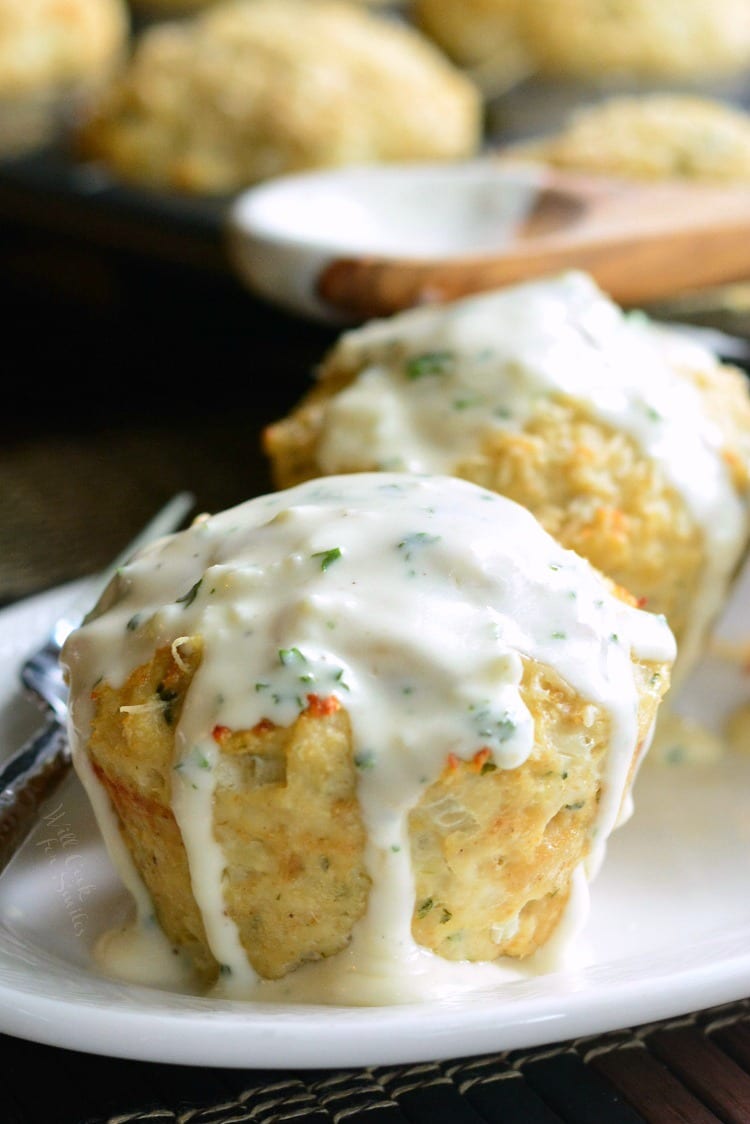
<point x="493" y="849"/>
<point x="286" y="815"/>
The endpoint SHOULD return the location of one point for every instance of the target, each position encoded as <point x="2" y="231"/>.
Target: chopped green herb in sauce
<point x="327" y="557"/>
<point x="189" y="597"/>
<point x="416" y="541"/>
<point x="429" y="363"/>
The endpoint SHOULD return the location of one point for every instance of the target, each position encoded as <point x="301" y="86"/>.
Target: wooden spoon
<point x="640" y="241"/>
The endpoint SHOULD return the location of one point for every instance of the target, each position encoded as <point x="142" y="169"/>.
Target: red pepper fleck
<point x="221" y="734"/>
<point x="641" y="602"/>
<point x="452" y="762"/>
<point x="481" y="757"/>
<point x="263" y="726"/>
<point x="318" y="707"/>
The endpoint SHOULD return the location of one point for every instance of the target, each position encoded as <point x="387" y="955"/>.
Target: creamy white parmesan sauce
<point x="411" y="599"/>
<point x="434" y="380"/>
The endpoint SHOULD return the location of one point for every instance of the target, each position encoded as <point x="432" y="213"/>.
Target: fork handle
<point x="26" y="780"/>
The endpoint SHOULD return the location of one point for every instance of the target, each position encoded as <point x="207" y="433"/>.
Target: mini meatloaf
<point x="55" y="59"/>
<point x="362" y="735"/>
<point x="664" y="41"/>
<point x="629" y="442"/>
<point x="651" y="136"/>
<point x="245" y="90"/>
<point x="593" y="41"/>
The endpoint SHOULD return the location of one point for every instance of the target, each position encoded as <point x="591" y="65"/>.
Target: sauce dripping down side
<point x="411" y="599"/>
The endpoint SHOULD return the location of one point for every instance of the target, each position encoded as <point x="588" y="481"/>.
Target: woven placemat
<point x="692" y="1070"/>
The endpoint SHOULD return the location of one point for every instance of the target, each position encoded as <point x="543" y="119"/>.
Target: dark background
<point x="136" y="365"/>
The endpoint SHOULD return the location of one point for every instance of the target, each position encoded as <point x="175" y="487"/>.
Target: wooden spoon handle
<point x="640" y="242"/>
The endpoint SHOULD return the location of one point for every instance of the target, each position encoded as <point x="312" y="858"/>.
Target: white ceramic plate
<point x="669" y="930"/>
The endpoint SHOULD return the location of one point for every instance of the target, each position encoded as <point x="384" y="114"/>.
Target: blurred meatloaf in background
<point x="665" y="40"/>
<point x="650" y="136"/>
<point x="55" y="58"/>
<point x="668" y="40"/>
<point x="150" y="10"/>
<point x="483" y="37"/>
<point x="358" y="740"/>
<point x="628" y="442"/>
<point x="250" y="89"/>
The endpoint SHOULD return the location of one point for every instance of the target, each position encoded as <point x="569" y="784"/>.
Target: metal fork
<point x="35" y="770"/>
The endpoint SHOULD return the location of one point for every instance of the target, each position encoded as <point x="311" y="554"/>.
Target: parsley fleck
<point x="327" y="557"/>
<point x="339" y="678"/>
<point x="491" y="725"/>
<point x="428" y="363"/>
<point x="415" y="540"/>
<point x="189" y="597"/>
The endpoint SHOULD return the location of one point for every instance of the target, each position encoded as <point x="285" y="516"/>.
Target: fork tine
<point x="34" y="771"/>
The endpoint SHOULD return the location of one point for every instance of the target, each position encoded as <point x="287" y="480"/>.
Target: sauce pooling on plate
<point x="411" y="600"/>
